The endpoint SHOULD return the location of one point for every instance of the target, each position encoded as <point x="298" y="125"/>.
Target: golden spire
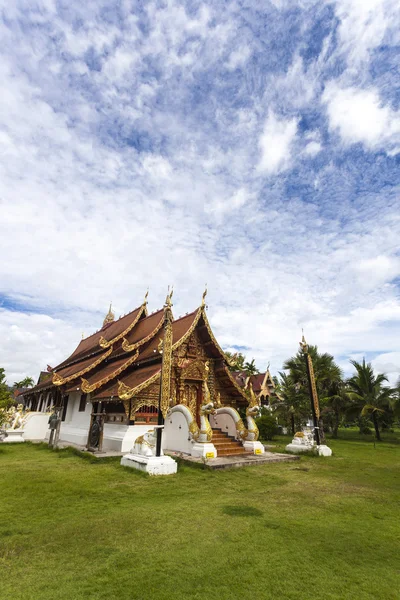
<point x="203" y="300"/>
<point x="146" y="296"/>
<point x="109" y="318"/>
<point x="303" y="343"/>
<point x="168" y="300"/>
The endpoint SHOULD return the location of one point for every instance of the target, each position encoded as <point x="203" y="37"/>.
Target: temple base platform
<point x="13" y="436"/>
<point x="254" y="447"/>
<point x="153" y="465"/>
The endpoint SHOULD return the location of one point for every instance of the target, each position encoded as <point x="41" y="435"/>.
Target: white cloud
<point x="389" y="364"/>
<point x="364" y="25"/>
<point x="140" y="172"/>
<point x="359" y="116"/>
<point x="275" y="143"/>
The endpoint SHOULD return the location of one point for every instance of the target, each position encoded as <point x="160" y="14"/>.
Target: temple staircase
<point x="225" y="445"/>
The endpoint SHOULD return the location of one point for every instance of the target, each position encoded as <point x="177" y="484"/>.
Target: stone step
<point x="228" y="447"/>
<point x="233" y="452"/>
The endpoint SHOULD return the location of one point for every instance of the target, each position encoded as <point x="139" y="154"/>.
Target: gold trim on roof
<point x="129" y="347"/>
<point x="87" y="388"/>
<point x="189" y="331"/>
<point x="107" y="343"/>
<point x="58" y="380"/>
<point x="126" y="393"/>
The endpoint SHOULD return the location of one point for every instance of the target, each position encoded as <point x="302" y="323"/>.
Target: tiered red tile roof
<point x="127" y="351"/>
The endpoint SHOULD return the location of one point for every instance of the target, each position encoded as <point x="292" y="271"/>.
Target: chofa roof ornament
<point x="110" y="317"/>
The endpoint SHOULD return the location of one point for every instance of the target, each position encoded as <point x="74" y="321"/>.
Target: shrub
<point x="267" y="426"/>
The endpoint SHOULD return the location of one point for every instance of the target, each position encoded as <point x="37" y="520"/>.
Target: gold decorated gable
<point x="107" y="343"/>
<point x="58" y="380"/>
<point x="87" y="388"/>
<point x="129" y="347"/>
<point x="126" y="393"/>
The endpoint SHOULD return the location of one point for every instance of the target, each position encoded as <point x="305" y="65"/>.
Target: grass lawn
<point x="73" y="528"/>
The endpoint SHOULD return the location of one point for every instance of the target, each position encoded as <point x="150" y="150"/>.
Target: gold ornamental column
<point x="165" y="380"/>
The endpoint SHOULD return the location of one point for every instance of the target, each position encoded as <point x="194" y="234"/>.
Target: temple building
<point x="263" y="386"/>
<point x="109" y="389"/>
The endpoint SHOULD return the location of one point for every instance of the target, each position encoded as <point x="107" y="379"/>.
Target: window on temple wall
<point x="82" y="403"/>
<point x="146" y="414"/>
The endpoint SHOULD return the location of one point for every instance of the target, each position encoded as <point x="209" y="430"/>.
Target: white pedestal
<point x="254" y="447"/>
<point x="14" y="435"/>
<point x="206" y="450"/>
<point x="298" y="448"/>
<point x="154" y="465"/>
<point x="324" y="450"/>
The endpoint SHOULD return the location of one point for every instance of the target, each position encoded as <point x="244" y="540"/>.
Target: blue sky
<point x="250" y="145"/>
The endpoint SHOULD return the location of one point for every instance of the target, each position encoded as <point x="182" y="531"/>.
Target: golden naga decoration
<point x="87" y="388"/>
<point x="166" y="357"/>
<point x="218" y="403"/>
<point x="203" y="299"/>
<point x="232" y="361"/>
<point x="58" y="380"/>
<point x="314" y="394"/>
<point x="107" y="343"/>
<point x="110" y="317"/>
<point x="251" y="413"/>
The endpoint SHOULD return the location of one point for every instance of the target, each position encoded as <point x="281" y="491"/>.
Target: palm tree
<point x="289" y="403"/>
<point x="369" y="394"/>
<point x="336" y="401"/>
<point x="24" y="383"/>
<point x="326" y="373"/>
<point x="250" y="368"/>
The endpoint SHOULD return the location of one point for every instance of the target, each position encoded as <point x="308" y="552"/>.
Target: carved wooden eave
<point x="58" y="380"/>
<point x="234" y="383"/>
<point x="88" y="388"/>
<point x="107" y="343"/>
<point x="126" y="393"/>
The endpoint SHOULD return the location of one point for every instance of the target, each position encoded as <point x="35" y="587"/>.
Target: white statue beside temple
<point x="303" y="441"/>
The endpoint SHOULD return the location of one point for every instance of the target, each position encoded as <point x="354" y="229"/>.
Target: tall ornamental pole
<point x="312" y="389"/>
<point x="165" y="380"/>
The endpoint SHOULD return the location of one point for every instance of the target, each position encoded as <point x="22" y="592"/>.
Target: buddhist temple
<point x="262" y="384"/>
<point x="108" y="391"/>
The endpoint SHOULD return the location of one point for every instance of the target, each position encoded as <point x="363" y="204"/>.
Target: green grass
<point x="74" y="528"/>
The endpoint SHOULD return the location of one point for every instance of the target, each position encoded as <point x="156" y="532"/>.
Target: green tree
<point x="326" y="373"/>
<point x="336" y="403"/>
<point x="370" y="397"/>
<point x="24" y="383"/>
<point x="291" y="406"/>
<point x="6" y="399"/>
<point x="250" y="368"/>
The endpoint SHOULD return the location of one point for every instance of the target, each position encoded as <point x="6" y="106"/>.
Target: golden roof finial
<point x="203" y="299"/>
<point x="146" y="296"/>
<point x="303" y="343"/>
<point x="168" y="300"/>
<point x="110" y="317"/>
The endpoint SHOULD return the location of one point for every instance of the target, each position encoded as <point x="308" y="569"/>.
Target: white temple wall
<point x="36" y="426"/>
<point x="176" y="436"/>
<point x="121" y="438"/>
<point x="75" y="428"/>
